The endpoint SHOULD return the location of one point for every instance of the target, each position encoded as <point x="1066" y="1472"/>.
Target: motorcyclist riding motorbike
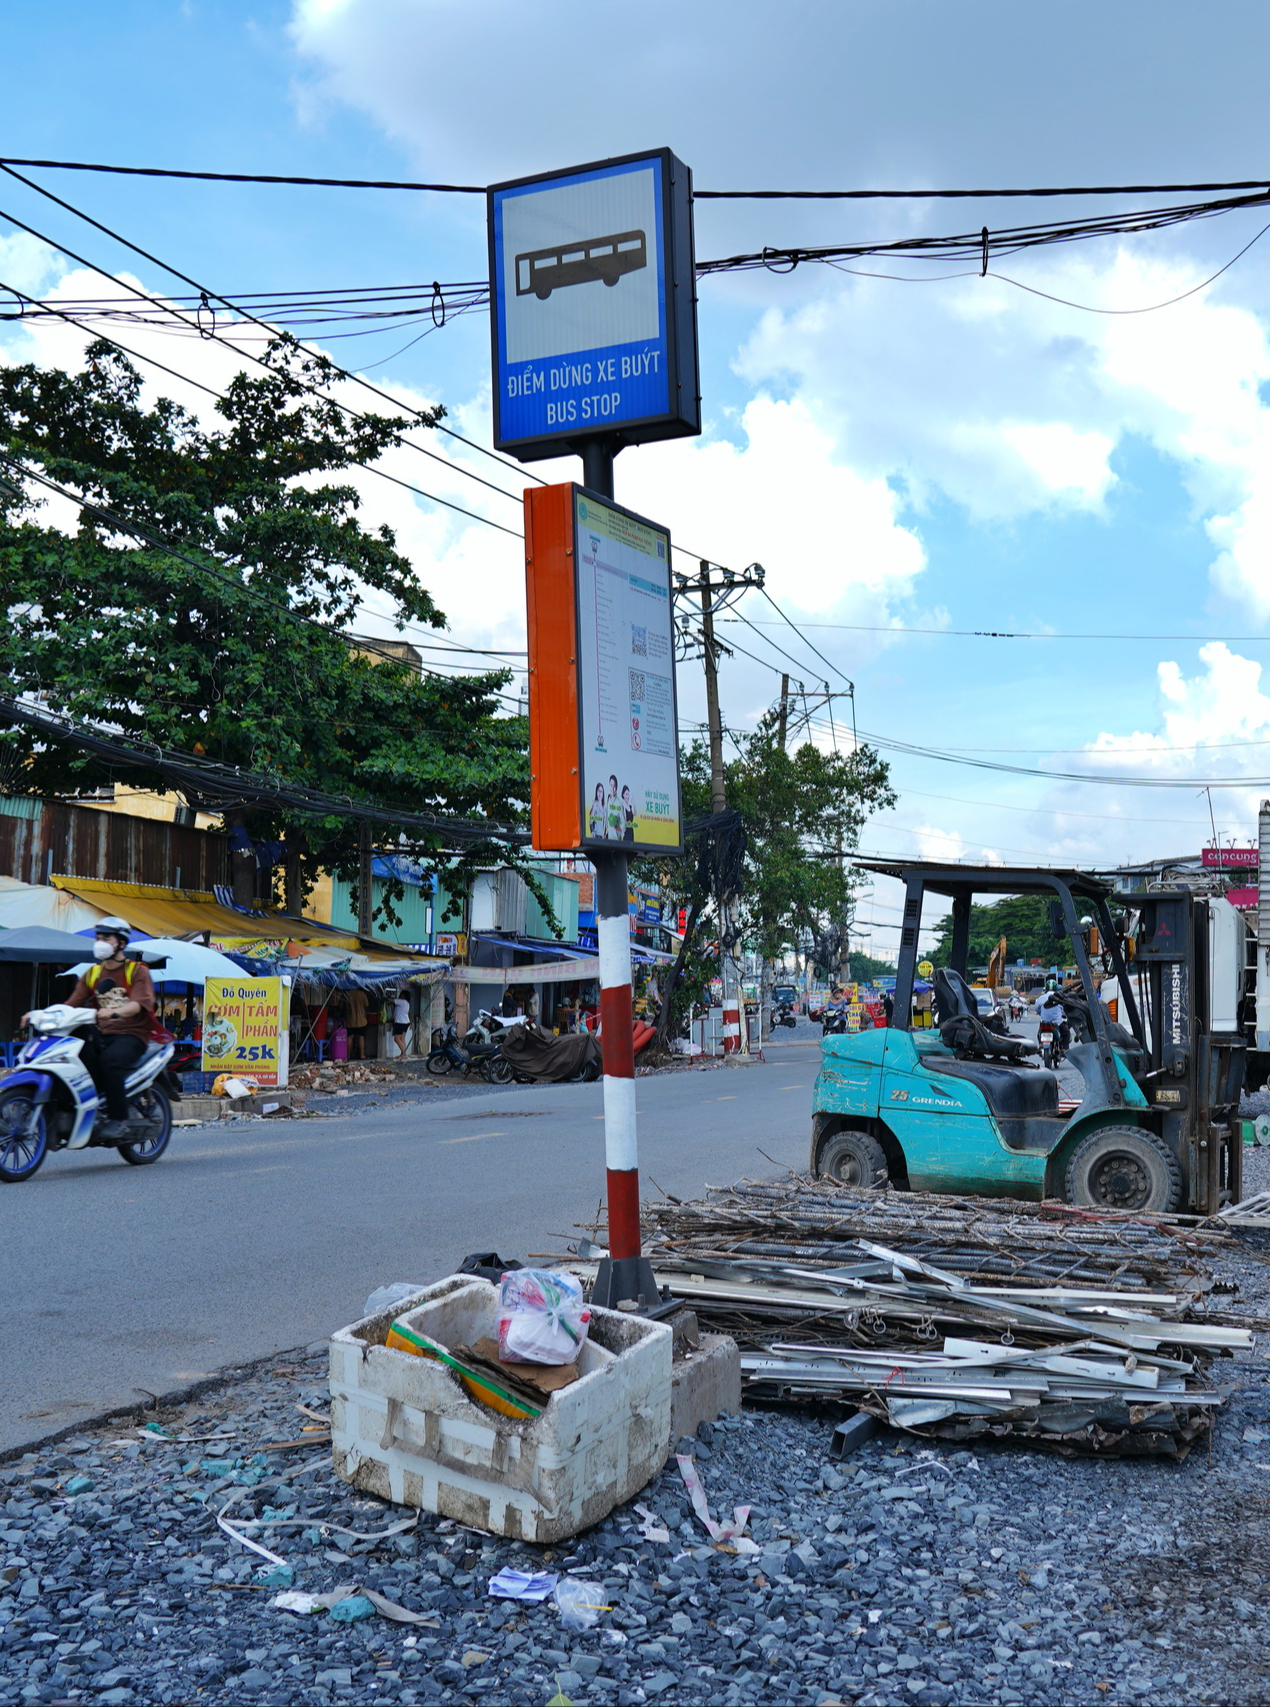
<point x="122" y="992"/>
<point x="1050" y="1011"/>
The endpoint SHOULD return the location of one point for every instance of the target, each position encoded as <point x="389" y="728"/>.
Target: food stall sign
<point x="246" y="1028"/>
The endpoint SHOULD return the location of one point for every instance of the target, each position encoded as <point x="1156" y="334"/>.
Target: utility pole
<point x="733" y="1009"/>
<point x="713" y="593"/>
<point x="365" y="878"/>
<point x="783" y="724"/>
<point x="718" y="799"/>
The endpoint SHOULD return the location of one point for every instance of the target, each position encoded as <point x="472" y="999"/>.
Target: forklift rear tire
<point x="1123" y="1167"/>
<point x="854" y="1159"/>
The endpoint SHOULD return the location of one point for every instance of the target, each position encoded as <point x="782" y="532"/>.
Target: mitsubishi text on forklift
<point x="964" y="1107"/>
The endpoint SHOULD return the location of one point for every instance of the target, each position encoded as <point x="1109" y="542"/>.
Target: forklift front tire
<point x="1123" y="1167"/>
<point x="854" y="1159"/>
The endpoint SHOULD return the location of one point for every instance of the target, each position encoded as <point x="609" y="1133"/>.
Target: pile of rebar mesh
<point x="994" y="1241"/>
<point x="957" y="1317"/>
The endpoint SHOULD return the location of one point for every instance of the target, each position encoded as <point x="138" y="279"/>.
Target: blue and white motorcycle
<point x="49" y="1101"/>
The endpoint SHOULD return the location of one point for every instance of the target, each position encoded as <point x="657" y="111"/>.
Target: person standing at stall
<point x="400" y="1023"/>
<point x="356" y="1019"/>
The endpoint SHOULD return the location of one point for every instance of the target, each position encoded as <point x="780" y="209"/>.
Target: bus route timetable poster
<point x="628" y="728"/>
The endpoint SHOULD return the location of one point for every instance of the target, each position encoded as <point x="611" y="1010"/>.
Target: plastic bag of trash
<point x="386" y="1297"/>
<point x="580" y="1602"/>
<point x="542" y="1316"/>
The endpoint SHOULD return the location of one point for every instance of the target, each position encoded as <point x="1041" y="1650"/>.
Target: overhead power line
<point x="205" y="291"/>
<point x="211" y="567"/>
<point x="1007" y="634"/>
<point x="701" y="195"/>
<point x="211" y="391"/>
<point x="1107" y="780"/>
<point x="232" y="786"/>
<point x="978" y="246"/>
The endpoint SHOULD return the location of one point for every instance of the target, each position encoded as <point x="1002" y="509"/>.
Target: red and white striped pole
<point x="626" y="1278"/>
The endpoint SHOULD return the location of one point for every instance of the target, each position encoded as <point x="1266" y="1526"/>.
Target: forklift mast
<point x="1192" y="1073"/>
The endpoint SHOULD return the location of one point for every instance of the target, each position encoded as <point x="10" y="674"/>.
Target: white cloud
<point x="26" y="263"/>
<point x="1222" y="707"/>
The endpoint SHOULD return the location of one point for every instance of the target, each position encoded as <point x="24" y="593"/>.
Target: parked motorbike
<point x="49" y="1101"/>
<point x="449" y="1054"/>
<point x="482" y="1043"/>
<point x="783" y="1014"/>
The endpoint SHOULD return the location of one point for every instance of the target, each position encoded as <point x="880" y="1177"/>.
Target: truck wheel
<point x="854" y="1159"/>
<point x="1123" y="1167"/>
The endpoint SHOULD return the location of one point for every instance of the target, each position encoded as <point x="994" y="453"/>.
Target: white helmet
<point x="113" y="927"/>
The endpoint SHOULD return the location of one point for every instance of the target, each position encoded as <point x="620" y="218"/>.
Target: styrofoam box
<point x="404" y="1428"/>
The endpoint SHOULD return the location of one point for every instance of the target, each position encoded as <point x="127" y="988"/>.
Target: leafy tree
<point x="864" y="968"/>
<point x="232" y="648"/>
<point x="803" y="812"/>
<point x="1023" y="920"/>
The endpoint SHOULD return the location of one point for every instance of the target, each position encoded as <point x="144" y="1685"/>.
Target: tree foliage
<point x="803" y="813"/>
<point x="1023" y="920"/>
<point x="232" y="648"/>
<point x="864" y="968"/>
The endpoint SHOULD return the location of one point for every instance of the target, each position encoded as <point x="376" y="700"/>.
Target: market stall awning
<point x="37" y="945"/>
<point x="157" y="911"/>
<point x="181" y="962"/>
<point x="535" y="945"/>
<point x="557" y="972"/>
<point x="37" y="904"/>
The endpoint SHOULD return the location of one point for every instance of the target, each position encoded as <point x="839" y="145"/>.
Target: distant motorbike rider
<point x="1050" y="1011"/>
<point x="123" y="994"/>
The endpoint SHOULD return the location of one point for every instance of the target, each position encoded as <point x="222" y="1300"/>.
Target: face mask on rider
<point x="103" y="948"/>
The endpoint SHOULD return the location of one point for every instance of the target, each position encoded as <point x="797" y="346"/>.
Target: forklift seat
<point x="951" y="997"/>
<point x="1011" y="1095"/>
<point x="960" y="1027"/>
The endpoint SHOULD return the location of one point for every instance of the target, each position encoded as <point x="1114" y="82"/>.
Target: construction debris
<point x="1082" y="1333"/>
<point x="332" y="1076"/>
<point x="1253" y="1213"/>
<point x="985" y="1239"/>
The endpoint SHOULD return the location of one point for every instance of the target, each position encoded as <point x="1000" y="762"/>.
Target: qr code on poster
<point x="639" y="640"/>
<point x="637" y="686"/>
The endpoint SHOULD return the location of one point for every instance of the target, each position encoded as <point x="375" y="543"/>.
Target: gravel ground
<point x="906" y="1574"/>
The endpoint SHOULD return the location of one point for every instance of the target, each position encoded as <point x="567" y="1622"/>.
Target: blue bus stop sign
<point x="593" y="306"/>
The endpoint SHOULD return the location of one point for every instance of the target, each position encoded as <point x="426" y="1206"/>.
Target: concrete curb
<point x="174" y="1397"/>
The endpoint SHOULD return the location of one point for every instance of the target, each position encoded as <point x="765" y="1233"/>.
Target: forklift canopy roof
<point x="947" y="879"/>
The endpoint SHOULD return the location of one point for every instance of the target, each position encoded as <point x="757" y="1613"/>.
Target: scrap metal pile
<point x="958" y="1318"/>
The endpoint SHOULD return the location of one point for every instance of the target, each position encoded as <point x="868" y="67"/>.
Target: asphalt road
<point x="249" y="1238"/>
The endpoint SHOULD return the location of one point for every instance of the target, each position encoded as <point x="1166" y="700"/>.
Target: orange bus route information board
<point x="246" y="1028"/>
<point x="603" y="722"/>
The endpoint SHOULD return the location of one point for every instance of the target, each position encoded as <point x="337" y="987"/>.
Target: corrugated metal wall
<point x="76" y="841"/>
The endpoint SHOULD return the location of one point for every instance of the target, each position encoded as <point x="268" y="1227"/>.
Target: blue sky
<point x="953" y="455"/>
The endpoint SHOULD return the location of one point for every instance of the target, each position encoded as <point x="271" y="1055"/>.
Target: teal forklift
<point x="965" y="1107"/>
